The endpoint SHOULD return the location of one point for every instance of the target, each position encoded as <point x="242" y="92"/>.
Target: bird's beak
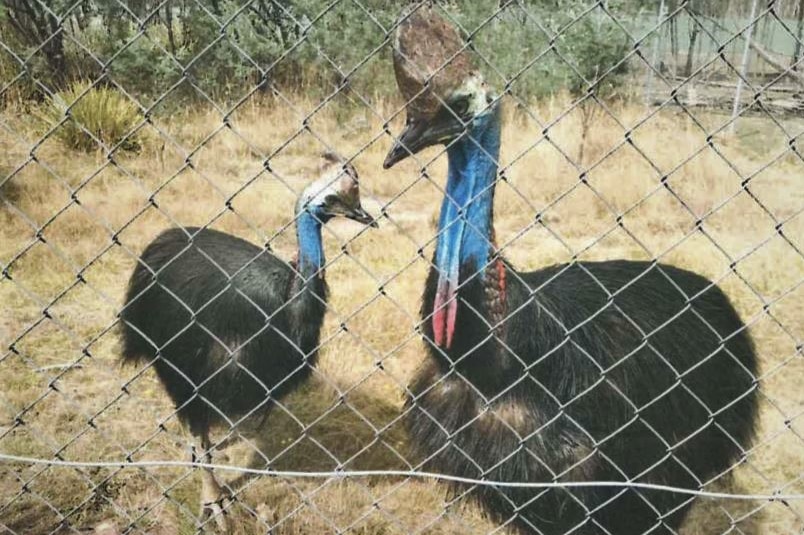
<point x="422" y="133"/>
<point x="361" y="216"/>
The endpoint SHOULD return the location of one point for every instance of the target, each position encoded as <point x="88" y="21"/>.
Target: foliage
<point x="167" y="52"/>
<point x="543" y="49"/>
<point x="94" y="114"/>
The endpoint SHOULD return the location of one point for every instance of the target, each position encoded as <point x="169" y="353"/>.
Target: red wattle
<point x="452" y="310"/>
<point x="439" y="319"/>
<point x="445" y="309"/>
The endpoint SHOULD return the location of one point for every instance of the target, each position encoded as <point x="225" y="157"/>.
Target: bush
<point x="108" y="115"/>
<point x="179" y="52"/>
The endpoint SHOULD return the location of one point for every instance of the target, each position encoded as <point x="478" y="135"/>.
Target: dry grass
<point x="57" y="405"/>
<point x="86" y="114"/>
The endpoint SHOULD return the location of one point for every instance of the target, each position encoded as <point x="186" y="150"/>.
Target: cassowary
<point x="589" y="371"/>
<point x="228" y="326"/>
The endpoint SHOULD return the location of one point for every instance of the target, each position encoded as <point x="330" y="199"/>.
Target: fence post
<point x="743" y="67"/>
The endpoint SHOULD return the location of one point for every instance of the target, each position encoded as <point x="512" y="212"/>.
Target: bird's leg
<point x="236" y="433"/>
<point x="213" y="496"/>
<point x="256" y="458"/>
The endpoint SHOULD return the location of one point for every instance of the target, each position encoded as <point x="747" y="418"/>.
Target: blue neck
<point x="466" y="220"/>
<point x="311" y="250"/>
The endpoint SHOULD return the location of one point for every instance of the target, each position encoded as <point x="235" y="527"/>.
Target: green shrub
<point x="103" y="112"/>
<point x="221" y="50"/>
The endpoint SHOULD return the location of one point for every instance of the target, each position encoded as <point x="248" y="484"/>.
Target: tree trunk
<point x="674" y="44"/>
<point x="799" y="28"/>
<point x="696" y="29"/>
<point x="54" y="50"/>
<point x="36" y="27"/>
<point x="184" y="22"/>
<point x="169" y="25"/>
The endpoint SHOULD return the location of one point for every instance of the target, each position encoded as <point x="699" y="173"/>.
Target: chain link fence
<point x="119" y="120"/>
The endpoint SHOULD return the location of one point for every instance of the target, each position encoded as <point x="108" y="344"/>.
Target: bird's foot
<point x="215" y="502"/>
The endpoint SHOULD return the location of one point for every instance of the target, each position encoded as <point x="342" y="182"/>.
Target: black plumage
<point x="228" y="327"/>
<point x="619" y="371"/>
<point x="647" y="378"/>
<point x="223" y="315"/>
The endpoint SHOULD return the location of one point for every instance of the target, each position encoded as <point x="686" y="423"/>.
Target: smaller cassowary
<point x="227" y="325"/>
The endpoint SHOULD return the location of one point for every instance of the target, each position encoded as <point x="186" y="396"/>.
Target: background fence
<point x="662" y="129"/>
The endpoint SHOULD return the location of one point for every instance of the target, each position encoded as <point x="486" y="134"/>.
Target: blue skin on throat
<point x="308" y="232"/>
<point x="466" y="212"/>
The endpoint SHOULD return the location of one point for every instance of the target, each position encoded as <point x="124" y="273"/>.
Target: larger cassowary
<point x="228" y="326"/>
<point x="589" y="371"/>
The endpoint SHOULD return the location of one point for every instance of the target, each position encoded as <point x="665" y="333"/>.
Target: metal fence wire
<point x="634" y="365"/>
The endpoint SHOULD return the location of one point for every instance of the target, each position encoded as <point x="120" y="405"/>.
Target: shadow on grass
<point x="10" y="190"/>
<point x="724" y="516"/>
<point x="315" y="429"/>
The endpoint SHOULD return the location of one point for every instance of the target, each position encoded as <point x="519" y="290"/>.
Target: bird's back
<point x="648" y="328"/>
<point x="655" y="369"/>
<point x="203" y="277"/>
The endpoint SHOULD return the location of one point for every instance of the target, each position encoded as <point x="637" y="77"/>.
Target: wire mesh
<point x="665" y="132"/>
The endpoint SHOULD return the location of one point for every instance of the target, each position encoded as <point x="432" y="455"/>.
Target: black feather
<point x="608" y="371"/>
<point x="227" y="325"/>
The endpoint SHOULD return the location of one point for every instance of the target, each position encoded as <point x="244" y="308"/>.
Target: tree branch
<point x="761" y="52"/>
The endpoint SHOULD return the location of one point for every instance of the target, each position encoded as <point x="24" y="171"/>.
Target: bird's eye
<point x="460" y="107"/>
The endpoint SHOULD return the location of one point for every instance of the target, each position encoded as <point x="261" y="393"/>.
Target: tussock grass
<point x="661" y="191"/>
<point x="87" y="117"/>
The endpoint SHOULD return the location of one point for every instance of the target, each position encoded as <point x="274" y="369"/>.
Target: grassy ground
<point x="65" y="289"/>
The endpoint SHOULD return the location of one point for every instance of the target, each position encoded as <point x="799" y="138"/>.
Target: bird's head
<point x="446" y="96"/>
<point x="335" y="193"/>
